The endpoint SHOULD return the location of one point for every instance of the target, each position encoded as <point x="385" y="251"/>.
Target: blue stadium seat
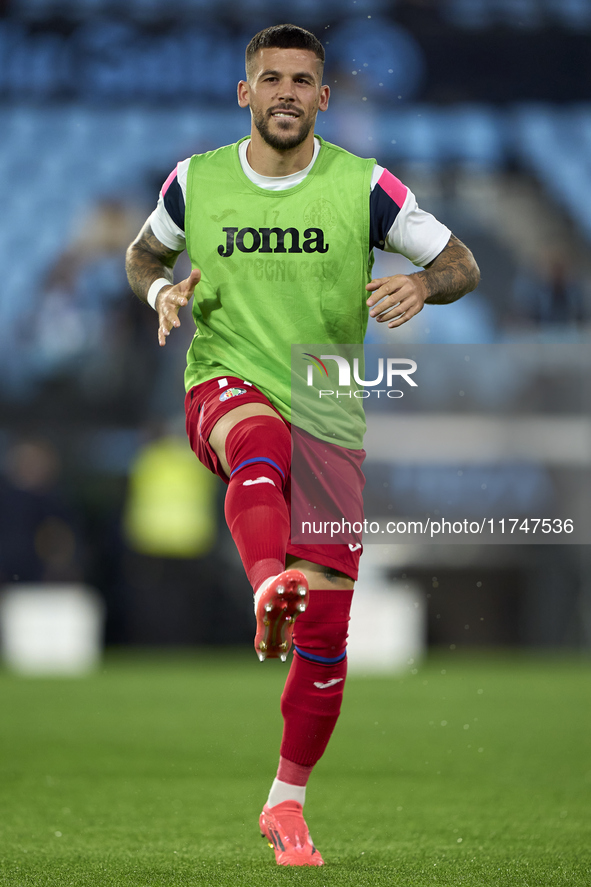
<point x="520" y="13"/>
<point x="547" y="140"/>
<point x="469" y="13"/>
<point x="479" y="136"/>
<point x="575" y="14"/>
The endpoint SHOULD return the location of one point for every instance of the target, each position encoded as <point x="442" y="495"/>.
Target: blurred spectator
<point x="39" y="531"/>
<point x="85" y="282"/>
<point x="173" y="588"/>
<point x="88" y="338"/>
<point x="170" y="507"/>
<point x="549" y="293"/>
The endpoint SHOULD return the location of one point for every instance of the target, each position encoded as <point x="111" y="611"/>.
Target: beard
<point x="284" y="140"/>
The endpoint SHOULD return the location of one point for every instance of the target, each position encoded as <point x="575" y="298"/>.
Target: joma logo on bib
<point x="272" y="240"/>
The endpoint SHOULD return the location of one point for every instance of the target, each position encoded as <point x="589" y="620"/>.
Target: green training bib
<point x="279" y="268"/>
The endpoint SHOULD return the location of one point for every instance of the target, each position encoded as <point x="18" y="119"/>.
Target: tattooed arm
<point x="451" y="275"/>
<point x="149" y="260"/>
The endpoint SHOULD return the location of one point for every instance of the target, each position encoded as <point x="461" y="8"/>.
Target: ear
<point x="324" y="97"/>
<point x="243" y="94"/>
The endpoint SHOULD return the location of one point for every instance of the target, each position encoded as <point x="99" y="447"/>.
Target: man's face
<point x="284" y="92"/>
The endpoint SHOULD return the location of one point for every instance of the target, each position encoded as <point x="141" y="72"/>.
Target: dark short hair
<point x="284" y="37"/>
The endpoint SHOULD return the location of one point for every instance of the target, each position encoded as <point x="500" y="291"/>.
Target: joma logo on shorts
<point x="272" y="240"/>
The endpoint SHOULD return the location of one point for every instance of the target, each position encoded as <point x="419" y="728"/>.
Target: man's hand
<point x="400" y="297"/>
<point x="170" y="299"/>
<point x="450" y="275"/>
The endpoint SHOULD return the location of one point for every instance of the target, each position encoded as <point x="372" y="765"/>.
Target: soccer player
<point x="280" y="229"/>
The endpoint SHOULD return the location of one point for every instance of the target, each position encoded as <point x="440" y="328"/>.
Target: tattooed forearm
<point x="451" y="275"/>
<point x="146" y="260"/>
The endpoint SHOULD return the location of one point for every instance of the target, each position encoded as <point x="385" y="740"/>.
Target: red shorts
<point x="325" y="489"/>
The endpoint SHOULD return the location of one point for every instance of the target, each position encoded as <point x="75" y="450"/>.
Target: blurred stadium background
<point x="468" y="764"/>
<point x="481" y="106"/>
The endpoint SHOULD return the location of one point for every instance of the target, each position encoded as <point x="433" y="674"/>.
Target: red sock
<point x="311" y="700"/>
<point x="258" y="451"/>
<point x="293" y="774"/>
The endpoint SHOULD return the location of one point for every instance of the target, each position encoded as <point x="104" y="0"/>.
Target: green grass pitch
<point x="466" y="769"/>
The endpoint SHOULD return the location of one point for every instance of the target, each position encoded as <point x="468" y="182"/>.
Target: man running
<point x="280" y="229"/>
